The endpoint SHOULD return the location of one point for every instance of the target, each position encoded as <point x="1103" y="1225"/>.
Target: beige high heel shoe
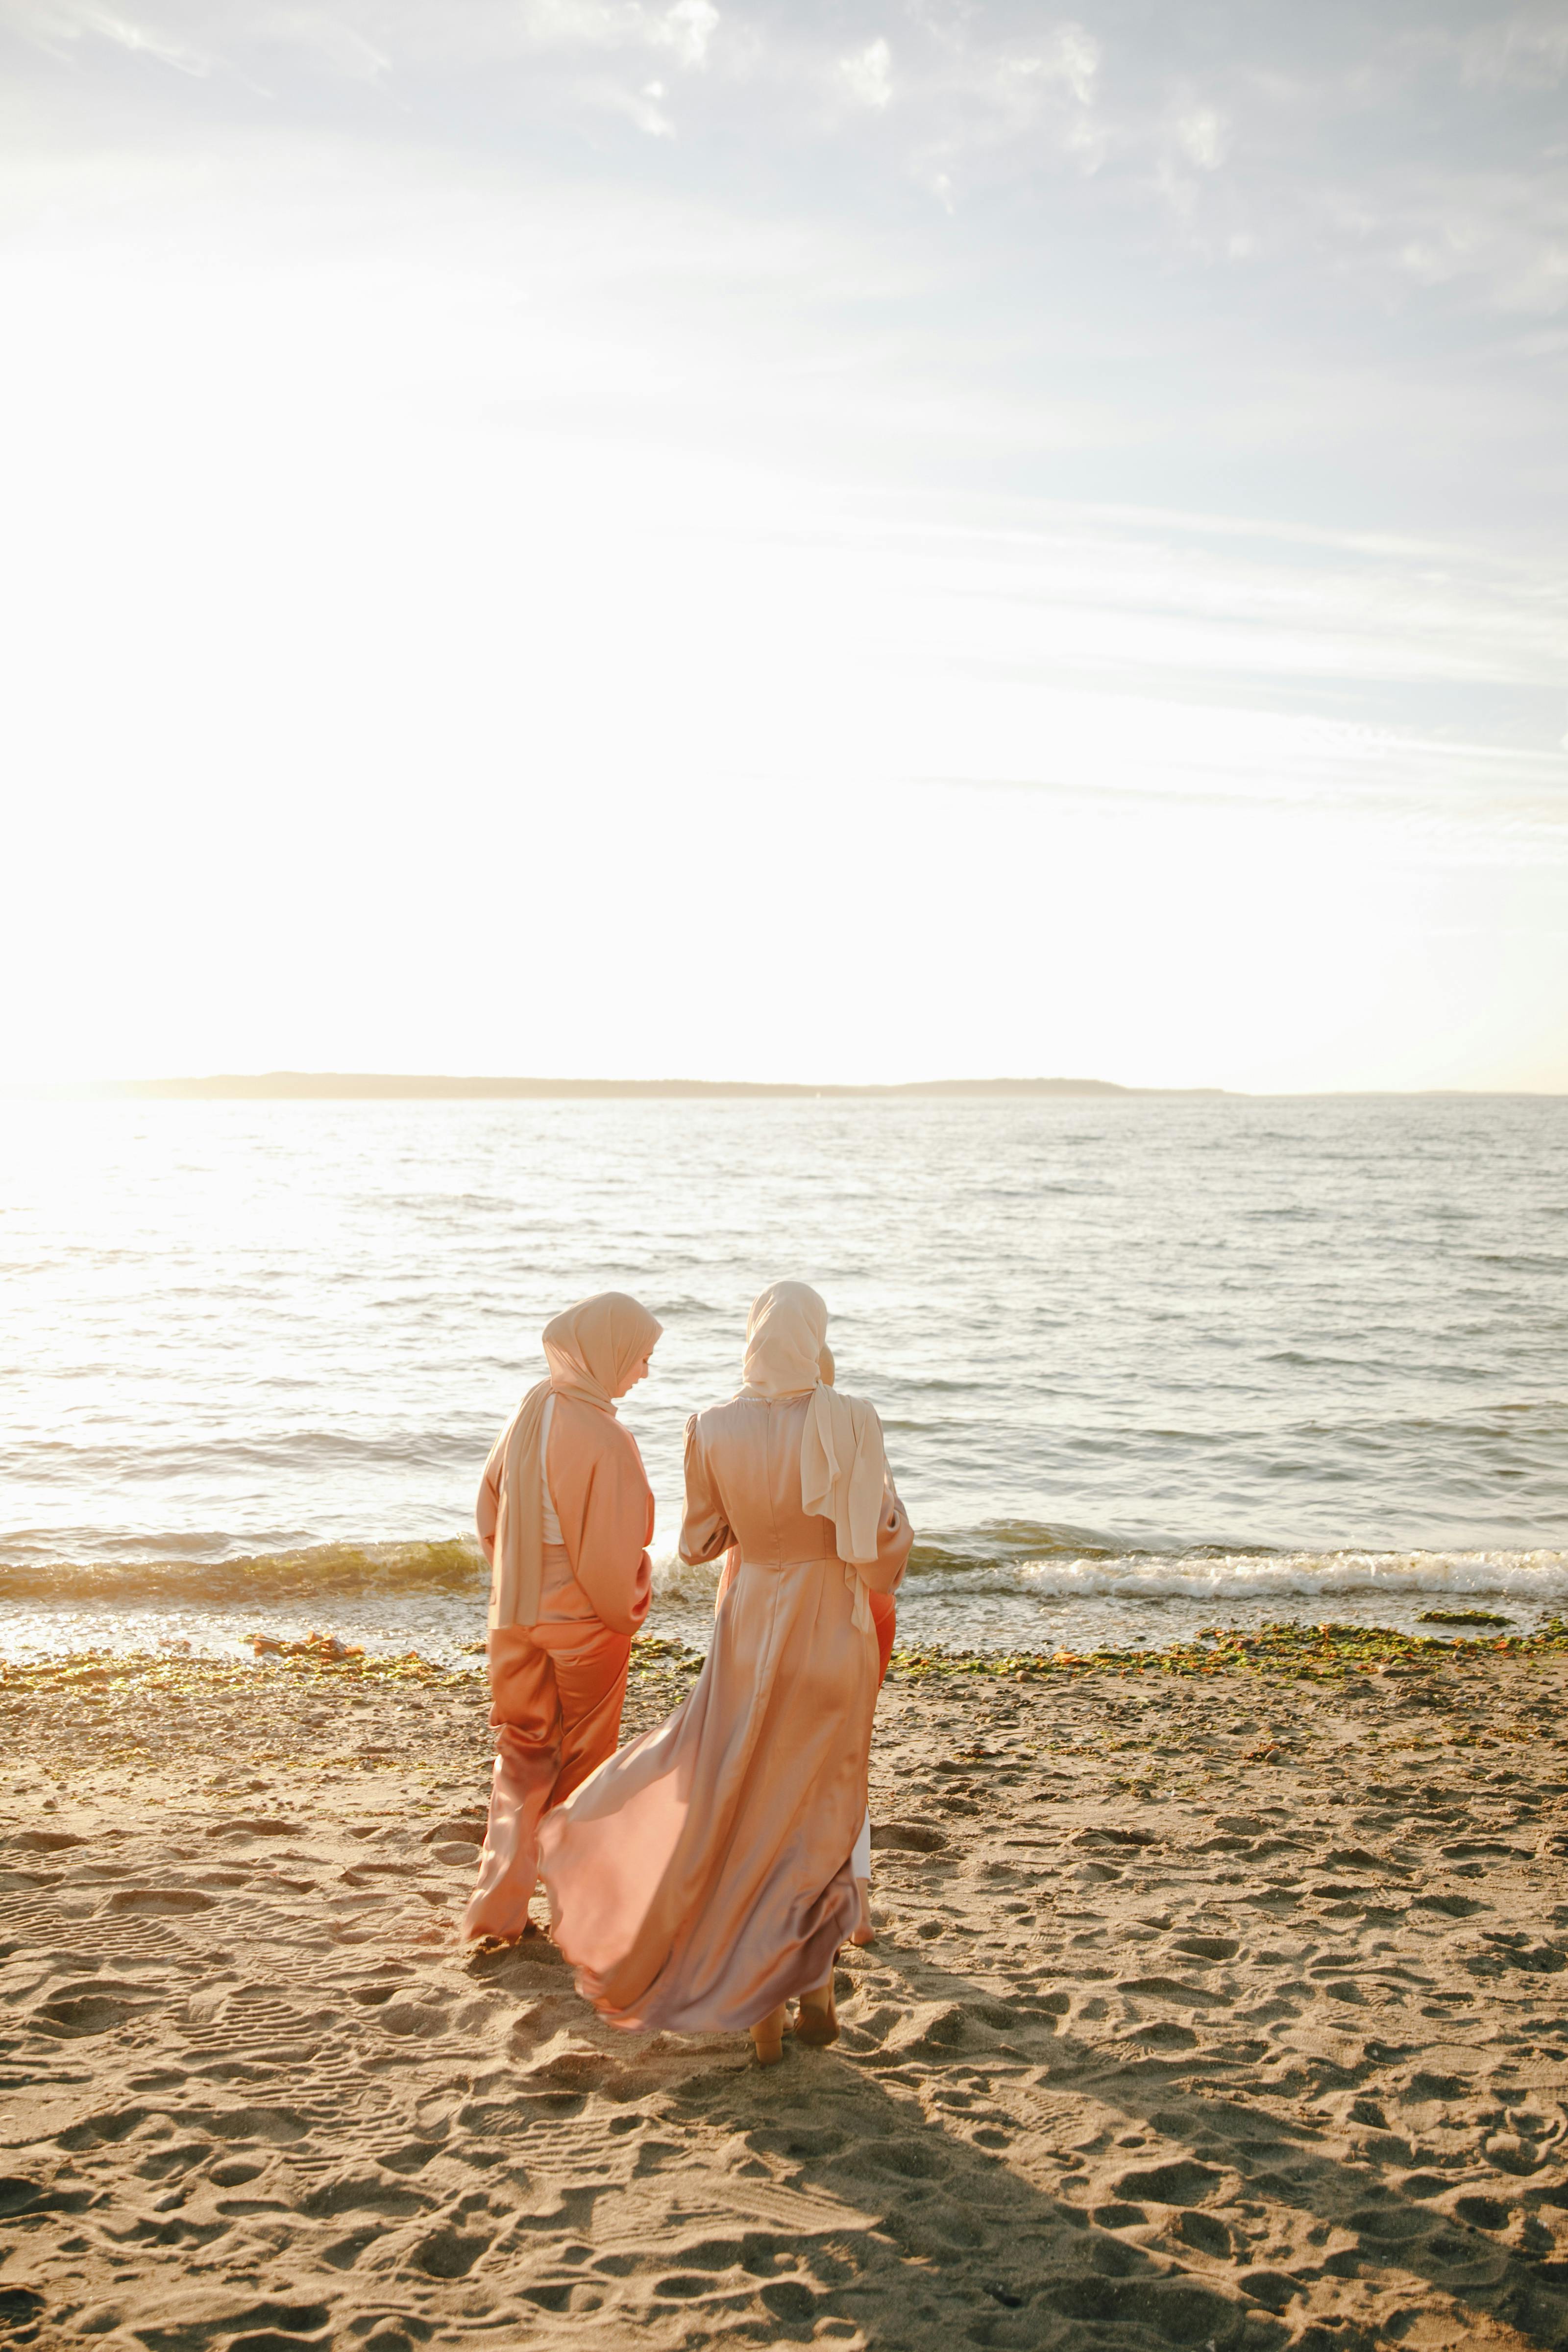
<point x="767" y="2037"/>
<point x="816" y="2020"/>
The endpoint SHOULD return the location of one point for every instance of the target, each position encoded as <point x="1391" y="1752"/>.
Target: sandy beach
<point x="1217" y="2004"/>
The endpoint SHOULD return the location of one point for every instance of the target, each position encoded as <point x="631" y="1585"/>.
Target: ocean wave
<point x="1211" y="1573"/>
<point x="1281" y="1577"/>
<point x="1013" y="1560"/>
<point x="318" y="1571"/>
<point x="676" y="1584"/>
<point x="1003" y="1543"/>
<point x="314" y="1570"/>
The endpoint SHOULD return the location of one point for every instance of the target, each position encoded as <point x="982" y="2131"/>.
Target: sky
<point x="847" y="540"/>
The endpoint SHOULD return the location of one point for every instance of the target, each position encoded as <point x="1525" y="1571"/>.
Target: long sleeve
<point x="604" y="1504"/>
<point x="895" y="1541"/>
<point x="705" y="1531"/>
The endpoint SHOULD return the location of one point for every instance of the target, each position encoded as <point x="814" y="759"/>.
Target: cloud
<point x="1076" y="58"/>
<point x="61" y="24"/>
<point x="642" y="107"/>
<point x="981" y="107"/>
<point x="1528" y="51"/>
<point x="684" y="29"/>
<point x="1261" y="131"/>
<point x="347" y="49"/>
<point x="688" y="28"/>
<point x="1201" y="135"/>
<point x="867" y="75"/>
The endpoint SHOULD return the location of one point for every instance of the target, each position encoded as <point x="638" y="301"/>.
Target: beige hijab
<point x="591" y="1351"/>
<point x="843" y="1467"/>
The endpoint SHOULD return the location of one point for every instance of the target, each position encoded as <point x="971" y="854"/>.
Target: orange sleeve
<point x="604" y="1504"/>
<point x="885" y="1625"/>
<point x="895" y="1542"/>
<point x="705" y="1531"/>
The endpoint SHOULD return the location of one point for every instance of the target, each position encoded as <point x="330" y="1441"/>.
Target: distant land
<point x="359" y="1085"/>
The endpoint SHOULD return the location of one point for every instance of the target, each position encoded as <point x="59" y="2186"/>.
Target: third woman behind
<point x="703" y="1876"/>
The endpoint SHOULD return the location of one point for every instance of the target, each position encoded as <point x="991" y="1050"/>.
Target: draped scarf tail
<point x="843" y="1463"/>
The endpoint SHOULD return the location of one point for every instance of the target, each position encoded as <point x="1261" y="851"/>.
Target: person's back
<point x="749" y="1453"/>
<point x="743" y="1496"/>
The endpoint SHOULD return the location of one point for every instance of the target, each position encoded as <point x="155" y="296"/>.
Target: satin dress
<point x="557" y="1687"/>
<point x="703" y="1875"/>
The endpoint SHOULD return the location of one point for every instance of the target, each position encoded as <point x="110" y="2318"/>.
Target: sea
<point x="1145" y="1364"/>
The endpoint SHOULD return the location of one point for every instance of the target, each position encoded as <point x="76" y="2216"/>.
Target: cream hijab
<point x="590" y="1352"/>
<point x="843" y="1467"/>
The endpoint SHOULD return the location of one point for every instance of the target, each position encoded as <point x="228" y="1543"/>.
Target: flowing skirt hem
<point x="799" y="1971"/>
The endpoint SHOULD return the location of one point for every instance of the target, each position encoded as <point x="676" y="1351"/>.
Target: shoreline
<point x="435" y="1605"/>
<point x="1215" y="1998"/>
<point x="1287" y="1647"/>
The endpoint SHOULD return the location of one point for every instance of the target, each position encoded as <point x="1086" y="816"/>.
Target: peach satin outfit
<point x="703" y="1875"/>
<point x="885" y="1624"/>
<point x="557" y="1682"/>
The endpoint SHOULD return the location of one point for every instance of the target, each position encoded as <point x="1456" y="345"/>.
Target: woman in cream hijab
<point x="705" y="1875"/>
<point x="565" y="1515"/>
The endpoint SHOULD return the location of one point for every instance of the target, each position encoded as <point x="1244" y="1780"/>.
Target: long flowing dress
<point x="557" y="1687"/>
<point x="703" y="1875"/>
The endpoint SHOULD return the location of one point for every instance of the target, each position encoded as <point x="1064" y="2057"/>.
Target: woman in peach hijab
<point x="704" y="1875"/>
<point x="566" y="1515"/>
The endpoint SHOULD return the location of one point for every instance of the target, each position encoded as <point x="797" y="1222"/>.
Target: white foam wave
<point x="1539" y="1576"/>
<point x="1530" y="1576"/>
<point x="675" y="1583"/>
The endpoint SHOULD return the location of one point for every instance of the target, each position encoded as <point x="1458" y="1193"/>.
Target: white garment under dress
<point x="860" y="1855"/>
<point x="551" y="1523"/>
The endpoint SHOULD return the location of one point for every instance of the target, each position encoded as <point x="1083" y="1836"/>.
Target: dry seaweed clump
<point x="1309" y="1653"/>
<point x="326" y="1647"/>
<point x="660" y="1653"/>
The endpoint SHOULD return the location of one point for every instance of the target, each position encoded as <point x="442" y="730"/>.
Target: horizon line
<point x="407" y="1085"/>
<point x="349" y="1085"/>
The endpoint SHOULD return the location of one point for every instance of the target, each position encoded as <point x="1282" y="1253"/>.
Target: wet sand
<point x="1221" y="2008"/>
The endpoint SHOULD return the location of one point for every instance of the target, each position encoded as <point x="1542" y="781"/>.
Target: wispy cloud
<point x="1201" y="136"/>
<point x="1528" y="51"/>
<point x="1304" y="135"/>
<point x="867" y="75"/>
<point x="685" y="29"/>
<point x="59" y="26"/>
